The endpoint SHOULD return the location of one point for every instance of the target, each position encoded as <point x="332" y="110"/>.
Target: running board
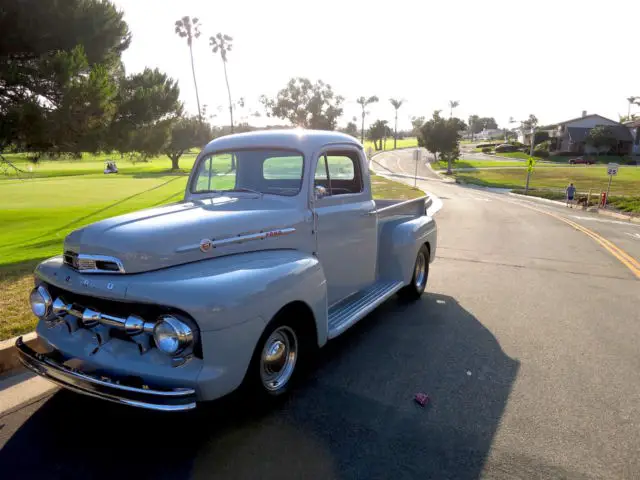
<point x="347" y="312"/>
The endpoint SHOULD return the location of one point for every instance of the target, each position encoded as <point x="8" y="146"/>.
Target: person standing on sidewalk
<point x="571" y="193"/>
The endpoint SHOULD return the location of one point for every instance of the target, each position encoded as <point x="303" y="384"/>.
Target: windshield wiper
<point x="242" y="189"/>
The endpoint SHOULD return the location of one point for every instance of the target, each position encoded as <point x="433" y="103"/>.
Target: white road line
<point x="603" y="220"/>
<point x="634" y="235"/>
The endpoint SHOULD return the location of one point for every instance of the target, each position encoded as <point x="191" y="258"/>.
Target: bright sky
<point x="498" y="58"/>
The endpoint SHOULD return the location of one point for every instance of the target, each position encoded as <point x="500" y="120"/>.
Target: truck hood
<point x="190" y="231"/>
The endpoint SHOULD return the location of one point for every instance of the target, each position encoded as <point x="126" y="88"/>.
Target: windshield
<point x="270" y="171"/>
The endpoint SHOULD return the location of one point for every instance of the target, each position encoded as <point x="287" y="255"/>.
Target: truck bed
<point x="392" y="208"/>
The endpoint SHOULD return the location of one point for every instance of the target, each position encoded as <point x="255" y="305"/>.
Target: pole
<point x="608" y="190"/>
<point x="415" y="176"/>
<point x="533" y="134"/>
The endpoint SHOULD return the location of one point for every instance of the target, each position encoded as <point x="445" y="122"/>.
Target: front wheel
<point x="414" y="290"/>
<point x="277" y="360"/>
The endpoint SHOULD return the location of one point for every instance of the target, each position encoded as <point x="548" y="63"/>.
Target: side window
<point x="345" y="176"/>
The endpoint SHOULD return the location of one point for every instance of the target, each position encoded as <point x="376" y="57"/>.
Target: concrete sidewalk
<point x="20" y="390"/>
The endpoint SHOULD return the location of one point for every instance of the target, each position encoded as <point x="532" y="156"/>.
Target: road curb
<point x="604" y="213"/>
<point x="442" y="177"/>
<point x="9" y="363"/>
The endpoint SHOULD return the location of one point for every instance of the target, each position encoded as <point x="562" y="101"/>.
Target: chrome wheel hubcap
<point x="420" y="273"/>
<point x="278" y="359"/>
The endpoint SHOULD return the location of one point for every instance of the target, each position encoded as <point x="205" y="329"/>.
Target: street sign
<point x="416" y="156"/>
<point x="530" y="164"/>
<point x="612" y="169"/>
<point x="369" y="152"/>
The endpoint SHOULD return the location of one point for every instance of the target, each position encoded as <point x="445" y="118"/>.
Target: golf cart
<point x="110" y="167"/>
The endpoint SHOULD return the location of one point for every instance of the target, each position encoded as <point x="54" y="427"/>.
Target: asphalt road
<point x="526" y="342"/>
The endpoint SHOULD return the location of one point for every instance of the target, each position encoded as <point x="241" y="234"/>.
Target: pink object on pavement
<point x="421" y="399"/>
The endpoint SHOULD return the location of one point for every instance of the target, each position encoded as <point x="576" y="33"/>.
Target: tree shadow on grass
<point x="13" y="271"/>
<point x="163" y="173"/>
<point x="82" y="219"/>
<point x="353" y="417"/>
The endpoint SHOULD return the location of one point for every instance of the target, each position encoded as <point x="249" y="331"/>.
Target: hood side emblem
<point x="205" y="244"/>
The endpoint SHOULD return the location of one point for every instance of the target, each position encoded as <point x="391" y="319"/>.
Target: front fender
<point x="227" y="291"/>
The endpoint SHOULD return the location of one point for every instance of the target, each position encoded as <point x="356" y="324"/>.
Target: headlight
<point x="171" y="335"/>
<point x="40" y="302"/>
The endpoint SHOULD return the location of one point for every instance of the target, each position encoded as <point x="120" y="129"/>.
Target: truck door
<point x="346" y="223"/>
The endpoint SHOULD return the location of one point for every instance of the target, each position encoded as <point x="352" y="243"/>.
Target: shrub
<point x="541" y="153"/>
<point x="485" y="145"/>
<point x="486" y="150"/>
<point x="517" y="144"/>
<point x="546" y="146"/>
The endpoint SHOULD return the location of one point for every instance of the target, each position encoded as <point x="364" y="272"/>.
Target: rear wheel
<point x="414" y="290"/>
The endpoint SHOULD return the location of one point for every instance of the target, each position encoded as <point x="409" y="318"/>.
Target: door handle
<point x="369" y="213"/>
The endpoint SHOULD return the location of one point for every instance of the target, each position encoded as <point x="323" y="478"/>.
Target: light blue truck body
<point x="228" y="262"/>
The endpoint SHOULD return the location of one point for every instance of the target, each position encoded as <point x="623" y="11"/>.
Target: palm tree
<point x="453" y="104"/>
<point x="377" y="133"/>
<point x="189" y="28"/>
<point x="631" y="101"/>
<point x="363" y="103"/>
<point x="223" y="43"/>
<point x="396" y="104"/>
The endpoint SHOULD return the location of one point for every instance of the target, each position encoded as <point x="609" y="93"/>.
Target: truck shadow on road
<point x="353" y="417"/>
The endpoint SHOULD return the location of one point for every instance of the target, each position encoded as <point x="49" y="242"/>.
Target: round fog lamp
<point x="171" y="335"/>
<point x="40" y="301"/>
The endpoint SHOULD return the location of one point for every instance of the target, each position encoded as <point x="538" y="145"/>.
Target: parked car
<point x="277" y="248"/>
<point x="506" y="147"/>
<point x="581" y="161"/>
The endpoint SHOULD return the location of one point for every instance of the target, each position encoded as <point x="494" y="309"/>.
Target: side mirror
<point x="320" y="192"/>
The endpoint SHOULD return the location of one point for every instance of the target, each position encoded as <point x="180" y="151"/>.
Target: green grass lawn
<point x="441" y="165"/>
<point x="38" y="213"/>
<point x="91" y="164"/>
<point x="519" y="155"/>
<point x="385" y="188"/>
<point x="602" y="159"/>
<point x="402" y="143"/>
<point x="627" y="182"/>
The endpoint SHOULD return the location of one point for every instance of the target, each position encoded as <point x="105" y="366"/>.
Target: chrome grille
<point x="93" y="263"/>
<point x="71" y="259"/>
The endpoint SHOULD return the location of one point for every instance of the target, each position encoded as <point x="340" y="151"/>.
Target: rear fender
<point x="399" y="241"/>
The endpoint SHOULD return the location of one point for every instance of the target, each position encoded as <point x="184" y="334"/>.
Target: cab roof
<point x="295" y="138"/>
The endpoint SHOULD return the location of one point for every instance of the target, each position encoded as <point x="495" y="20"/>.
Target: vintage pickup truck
<point x="276" y="248"/>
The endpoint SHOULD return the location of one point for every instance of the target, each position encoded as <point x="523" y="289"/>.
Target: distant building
<point x="490" y="134"/>
<point x="571" y="135"/>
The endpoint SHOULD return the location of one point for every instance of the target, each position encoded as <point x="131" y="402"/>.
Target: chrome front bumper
<point x="163" y="400"/>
